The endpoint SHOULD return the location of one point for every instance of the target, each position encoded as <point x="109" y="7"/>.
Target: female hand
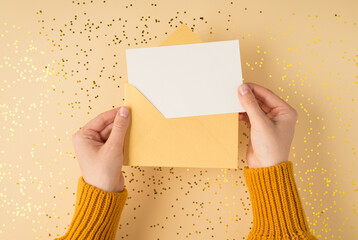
<point x="272" y="123"/>
<point x="99" y="149"/>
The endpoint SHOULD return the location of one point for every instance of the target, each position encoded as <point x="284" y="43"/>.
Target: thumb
<point x="119" y="128"/>
<point x="250" y="104"/>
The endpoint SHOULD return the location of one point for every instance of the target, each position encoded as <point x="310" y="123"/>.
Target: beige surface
<point x="62" y="63"/>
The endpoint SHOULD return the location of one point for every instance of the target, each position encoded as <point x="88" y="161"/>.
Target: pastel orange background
<point x="63" y="62"/>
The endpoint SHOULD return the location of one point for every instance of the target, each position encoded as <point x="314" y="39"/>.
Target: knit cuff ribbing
<point x="276" y="205"/>
<point x="97" y="213"/>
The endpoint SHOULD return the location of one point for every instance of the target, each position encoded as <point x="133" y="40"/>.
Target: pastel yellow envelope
<point x="209" y="141"/>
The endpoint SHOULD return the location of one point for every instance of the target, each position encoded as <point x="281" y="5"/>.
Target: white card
<point x="188" y="80"/>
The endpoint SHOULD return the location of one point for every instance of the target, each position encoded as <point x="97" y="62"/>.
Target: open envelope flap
<point x="207" y="139"/>
<point x="201" y="141"/>
<point x="183" y="35"/>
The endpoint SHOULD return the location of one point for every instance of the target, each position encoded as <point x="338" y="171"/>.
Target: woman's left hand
<point x="99" y="149"/>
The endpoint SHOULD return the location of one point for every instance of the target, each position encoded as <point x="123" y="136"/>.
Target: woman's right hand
<point x="272" y="124"/>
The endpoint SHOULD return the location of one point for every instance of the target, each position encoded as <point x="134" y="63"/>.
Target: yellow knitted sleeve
<point x="96" y="214"/>
<point x="276" y="205"/>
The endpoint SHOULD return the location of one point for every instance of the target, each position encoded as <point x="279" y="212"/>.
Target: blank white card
<point x="188" y="80"/>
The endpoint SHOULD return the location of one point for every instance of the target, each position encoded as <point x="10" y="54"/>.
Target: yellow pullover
<point x="276" y="205"/>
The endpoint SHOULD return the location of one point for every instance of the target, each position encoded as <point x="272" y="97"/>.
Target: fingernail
<point x="244" y="89"/>
<point x="124" y="112"/>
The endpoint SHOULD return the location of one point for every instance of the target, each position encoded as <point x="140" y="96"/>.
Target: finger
<point x="119" y="128"/>
<point x="263" y="106"/>
<point x="106" y="132"/>
<point x="245" y="118"/>
<point x="280" y="110"/>
<point x="250" y="104"/>
<point x="102" y="120"/>
<point x="266" y="96"/>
